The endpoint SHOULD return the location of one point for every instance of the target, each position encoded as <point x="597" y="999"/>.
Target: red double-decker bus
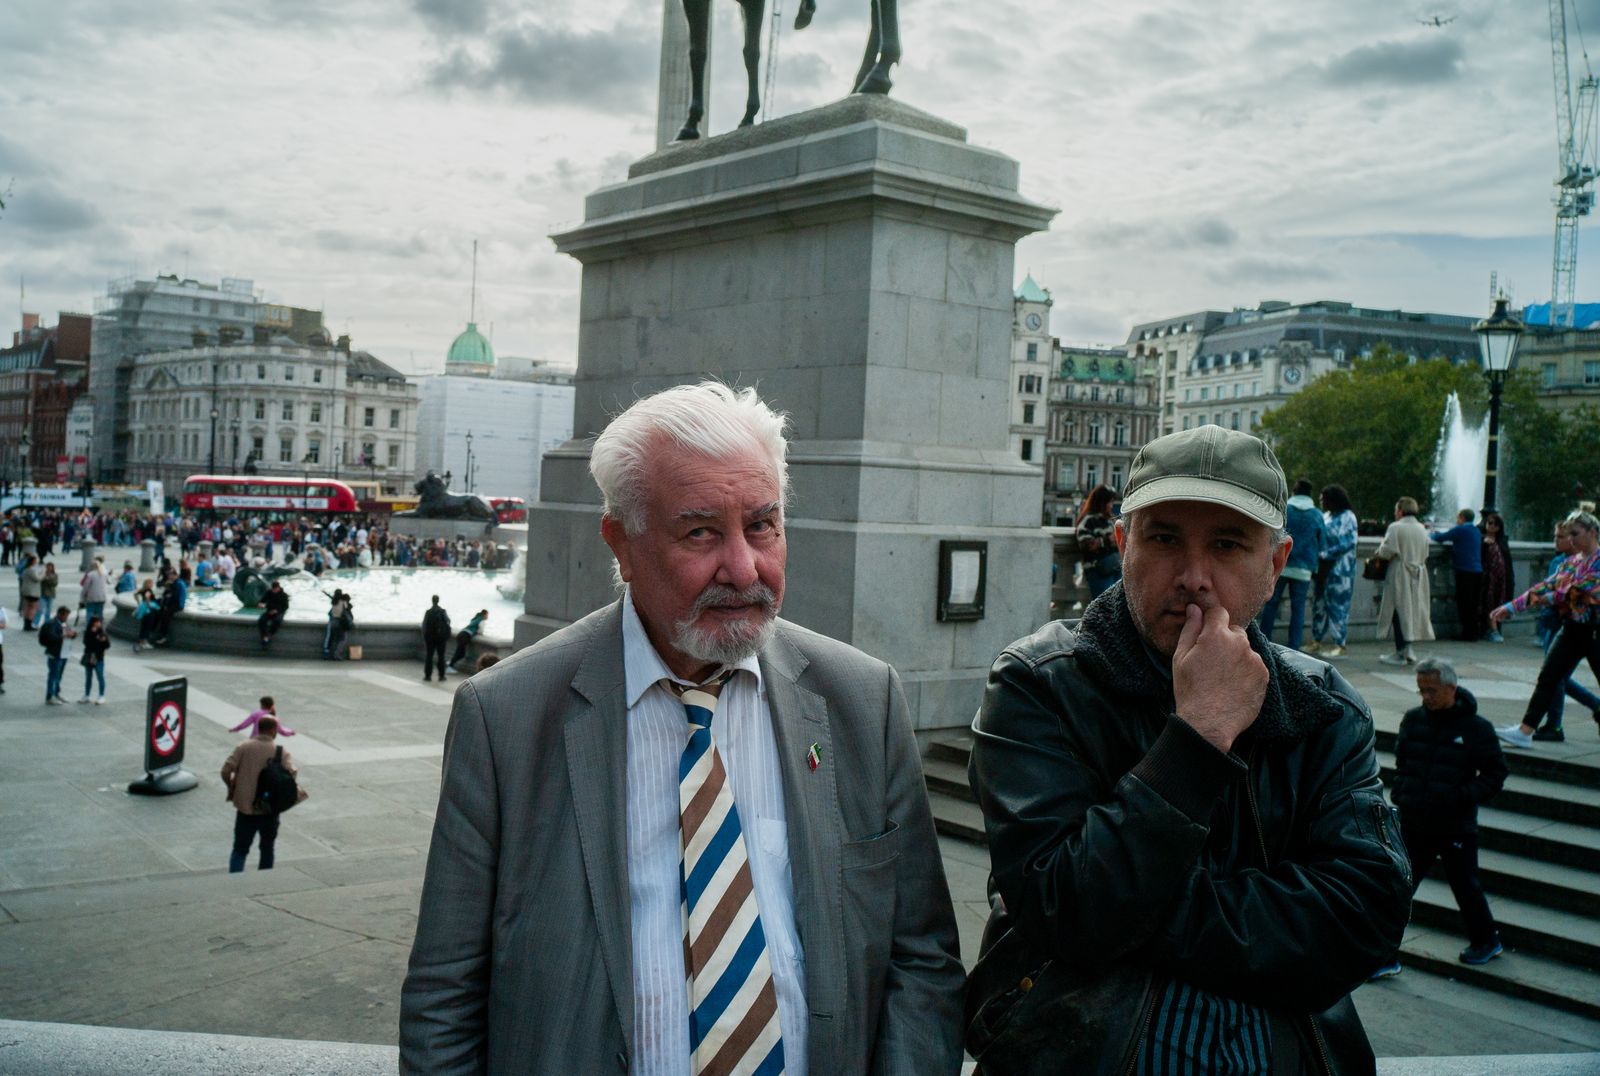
<point x="508" y="509"/>
<point x="266" y="495"/>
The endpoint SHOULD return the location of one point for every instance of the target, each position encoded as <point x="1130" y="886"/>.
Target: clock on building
<point x="1292" y="374"/>
<point x="1034" y="321"/>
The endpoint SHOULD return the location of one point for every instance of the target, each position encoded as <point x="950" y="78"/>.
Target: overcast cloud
<point x="345" y="153"/>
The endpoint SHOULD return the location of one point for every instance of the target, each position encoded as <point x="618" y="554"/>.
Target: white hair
<point x="1439" y="667"/>
<point x="710" y="419"/>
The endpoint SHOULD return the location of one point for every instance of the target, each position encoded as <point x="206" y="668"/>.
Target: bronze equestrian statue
<point x="883" y="52"/>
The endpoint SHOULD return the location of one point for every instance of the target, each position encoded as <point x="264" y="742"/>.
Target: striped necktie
<point x="733" y="1006"/>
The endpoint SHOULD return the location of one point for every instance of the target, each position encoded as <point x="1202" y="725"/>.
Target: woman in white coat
<point x="1406" y="609"/>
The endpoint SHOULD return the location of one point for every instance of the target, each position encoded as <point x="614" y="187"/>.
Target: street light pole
<point x="24" y="444"/>
<point x="469" y="462"/>
<point x="1498" y="337"/>
<point x="211" y="464"/>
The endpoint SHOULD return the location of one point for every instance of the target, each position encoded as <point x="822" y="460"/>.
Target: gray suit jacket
<point x="523" y="959"/>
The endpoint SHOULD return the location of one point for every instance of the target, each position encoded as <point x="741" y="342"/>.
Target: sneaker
<point x="1513" y="735"/>
<point x="1395" y="658"/>
<point x="53" y="701"/>
<point x="1313" y="647"/>
<point x="1388" y="971"/>
<point x="1333" y="652"/>
<point x="1494" y="637"/>
<point x="101" y="701"/>
<point x="84" y="700"/>
<point x="1410" y="655"/>
<point x="1550" y="734"/>
<point x="1481" y="954"/>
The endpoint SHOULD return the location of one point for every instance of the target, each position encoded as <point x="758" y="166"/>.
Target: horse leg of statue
<point x="802" y="18"/>
<point x="883" y="49"/>
<point x="697" y="12"/>
<point x="753" y="10"/>
<point x="870" y="58"/>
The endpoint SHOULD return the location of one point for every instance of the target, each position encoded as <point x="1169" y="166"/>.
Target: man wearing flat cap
<point x="1193" y="863"/>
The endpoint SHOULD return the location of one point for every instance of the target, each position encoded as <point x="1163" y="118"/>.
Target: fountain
<point x="1458" y="464"/>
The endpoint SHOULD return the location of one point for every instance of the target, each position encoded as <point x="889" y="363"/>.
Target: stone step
<point x="1538" y="796"/>
<point x="947" y="777"/>
<point x="957" y="818"/>
<point x="1571" y="763"/>
<point x="1566" y="937"/>
<point x="1565" y="843"/>
<point x="1550" y="885"/>
<point x="1516" y="973"/>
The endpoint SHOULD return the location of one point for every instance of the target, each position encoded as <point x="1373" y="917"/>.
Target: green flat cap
<point x="1210" y="464"/>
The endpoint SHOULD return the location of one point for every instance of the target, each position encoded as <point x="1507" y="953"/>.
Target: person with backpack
<point x="435" y="638"/>
<point x="256" y="766"/>
<point x="53" y="636"/>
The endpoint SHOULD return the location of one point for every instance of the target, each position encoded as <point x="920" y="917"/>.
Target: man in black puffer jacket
<point x="1192" y="856"/>
<point x="1447" y="763"/>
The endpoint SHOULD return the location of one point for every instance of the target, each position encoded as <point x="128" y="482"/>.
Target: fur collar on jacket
<point x="1112" y="652"/>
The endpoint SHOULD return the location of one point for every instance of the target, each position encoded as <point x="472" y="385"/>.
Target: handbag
<point x="1375" y="568"/>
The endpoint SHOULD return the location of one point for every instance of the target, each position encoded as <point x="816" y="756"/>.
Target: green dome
<point x="470" y="349"/>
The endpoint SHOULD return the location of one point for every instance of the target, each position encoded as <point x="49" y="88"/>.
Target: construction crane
<point x="1575" y="148"/>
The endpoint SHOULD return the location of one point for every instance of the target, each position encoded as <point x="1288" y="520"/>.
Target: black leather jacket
<point x="1131" y="851"/>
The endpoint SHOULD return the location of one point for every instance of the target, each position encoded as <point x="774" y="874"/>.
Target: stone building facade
<point x="1102" y="410"/>
<point x="271" y="406"/>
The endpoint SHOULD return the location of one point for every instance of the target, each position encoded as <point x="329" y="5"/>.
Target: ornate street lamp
<point x="1498" y="337"/>
<point x="211" y="464"/>
<point x="24" y="444"/>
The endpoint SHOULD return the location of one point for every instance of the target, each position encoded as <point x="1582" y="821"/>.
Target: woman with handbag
<point x="95" y="644"/>
<point x="1406" y="608"/>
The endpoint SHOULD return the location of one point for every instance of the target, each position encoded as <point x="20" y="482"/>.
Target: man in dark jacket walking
<point x="435" y="638"/>
<point x="1185" y="820"/>
<point x="1448" y="763"/>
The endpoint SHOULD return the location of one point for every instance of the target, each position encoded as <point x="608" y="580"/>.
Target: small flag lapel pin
<point x="814" y="756"/>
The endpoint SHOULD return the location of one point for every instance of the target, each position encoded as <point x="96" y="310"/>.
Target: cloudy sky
<point x="345" y="153"/>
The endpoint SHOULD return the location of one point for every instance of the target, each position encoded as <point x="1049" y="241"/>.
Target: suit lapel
<point x="811" y="804"/>
<point x="596" y="737"/>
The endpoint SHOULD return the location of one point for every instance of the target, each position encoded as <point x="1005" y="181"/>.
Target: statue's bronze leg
<point x="874" y="35"/>
<point x="753" y="10"/>
<point x="698" y="13"/>
<point x="883" y="48"/>
<point x="802" y="18"/>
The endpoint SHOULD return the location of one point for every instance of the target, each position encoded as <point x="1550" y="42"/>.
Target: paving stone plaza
<point x="118" y="910"/>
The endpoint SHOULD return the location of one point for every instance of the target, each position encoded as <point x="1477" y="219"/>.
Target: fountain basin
<point x="388" y="604"/>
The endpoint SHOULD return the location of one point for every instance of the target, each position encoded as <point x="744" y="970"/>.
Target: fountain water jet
<point x="1458" y="464"/>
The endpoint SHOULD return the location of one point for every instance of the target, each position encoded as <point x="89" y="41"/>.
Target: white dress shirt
<point x="658" y="732"/>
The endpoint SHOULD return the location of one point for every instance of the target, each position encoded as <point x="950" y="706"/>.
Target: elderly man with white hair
<point x="683" y="836"/>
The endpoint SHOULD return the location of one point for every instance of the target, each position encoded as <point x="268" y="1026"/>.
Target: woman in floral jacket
<point x="1336" y="580"/>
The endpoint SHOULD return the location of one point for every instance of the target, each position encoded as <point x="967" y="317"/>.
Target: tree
<point x="1372" y="428"/>
<point x="1549" y="453"/>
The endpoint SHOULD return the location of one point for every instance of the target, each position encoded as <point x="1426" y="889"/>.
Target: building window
<point x="258" y="447"/>
<point x="288" y="410"/>
<point x="1255" y="388"/>
<point x="1094" y="393"/>
<point x="1119" y="433"/>
<point x="261" y="371"/>
<point x="288" y="373"/>
<point x="1255" y="417"/>
<point x="394" y="418"/>
<point x="1547" y="375"/>
<point x="1236" y="420"/>
<point x="1187" y="395"/>
<point x="394" y="455"/>
<point x="1116" y="478"/>
<point x="1119" y="395"/>
<point x="1591" y="373"/>
<point x="286" y="450"/>
<point x="369" y="453"/>
<point x="261" y="410"/>
<point x="1205" y="393"/>
<point x="1027" y="448"/>
<point x="316" y="412"/>
<point x="1094" y="432"/>
<point x="1027" y="414"/>
<point x="369" y="416"/>
<point x="316" y="376"/>
<point x="1069" y="431"/>
<point x="1237" y="386"/>
<point x="1033" y="352"/>
<point x="1091" y="475"/>
<point x="314" y="451"/>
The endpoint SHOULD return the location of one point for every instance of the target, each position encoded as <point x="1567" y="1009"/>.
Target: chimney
<point x="344" y="343"/>
<point x="29" y="321"/>
<point x="199" y="338"/>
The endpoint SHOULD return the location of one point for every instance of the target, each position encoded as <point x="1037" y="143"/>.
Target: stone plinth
<point x="856" y="263"/>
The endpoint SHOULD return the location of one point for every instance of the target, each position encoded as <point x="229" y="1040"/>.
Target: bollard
<point x="258" y="549"/>
<point x="86" y="548"/>
<point x="30" y="546"/>
<point x="147" y="555"/>
<point x="205" y="550"/>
